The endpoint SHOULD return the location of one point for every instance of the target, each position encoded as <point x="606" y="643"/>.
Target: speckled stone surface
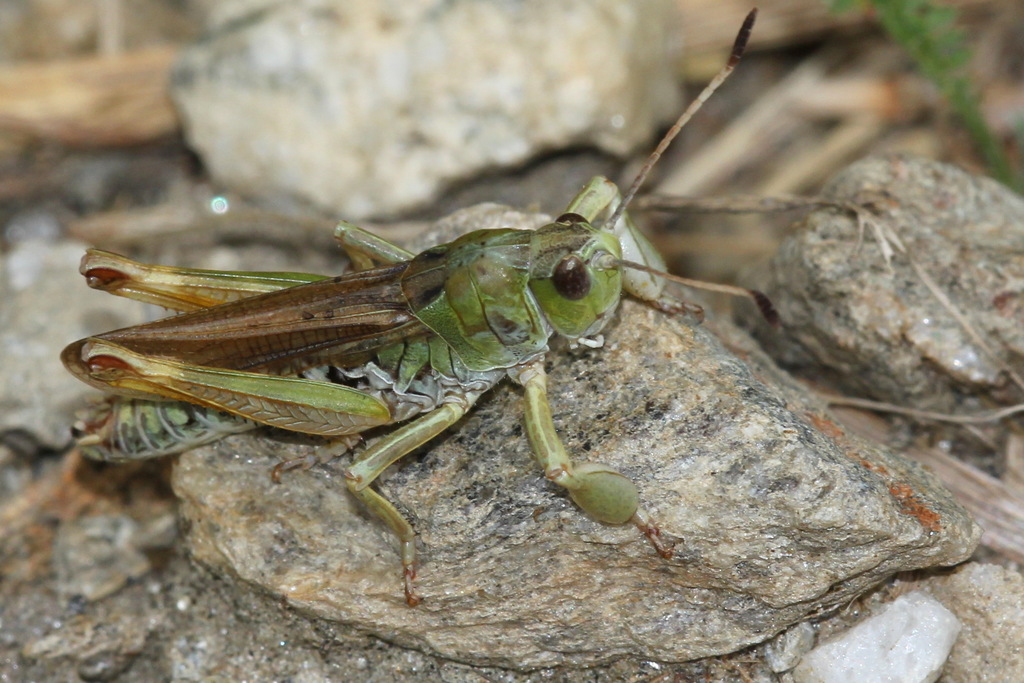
<point x="879" y="330"/>
<point x="989" y="601"/>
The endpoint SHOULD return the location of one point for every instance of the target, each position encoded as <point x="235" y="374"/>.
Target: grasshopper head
<point x="574" y="275"/>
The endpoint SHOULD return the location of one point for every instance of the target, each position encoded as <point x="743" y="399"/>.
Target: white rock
<point x="907" y="642"/>
<point x="369" y="108"/>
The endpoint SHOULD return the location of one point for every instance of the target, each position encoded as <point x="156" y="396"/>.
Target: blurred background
<point x="117" y="128"/>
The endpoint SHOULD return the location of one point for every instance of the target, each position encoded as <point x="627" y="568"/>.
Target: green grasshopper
<point x="402" y="336"/>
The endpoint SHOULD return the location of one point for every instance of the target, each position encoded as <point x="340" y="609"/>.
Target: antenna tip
<point x="742" y="37"/>
<point x="767" y="308"/>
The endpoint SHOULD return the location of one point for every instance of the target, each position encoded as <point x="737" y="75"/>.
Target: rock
<point x="777" y="512"/>
<point x="880" y="331"/>
<point x="46" y="306"/>
<point x="785" y="650"/>
<point x="907" y="642"/>
<point x="96" y="556"/>
<point x="102" y="650"/>
<point x="989" y="602"/>
<point x="369" y="110"/>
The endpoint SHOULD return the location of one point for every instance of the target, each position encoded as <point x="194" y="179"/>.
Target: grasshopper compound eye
<point x="571" y="279"/>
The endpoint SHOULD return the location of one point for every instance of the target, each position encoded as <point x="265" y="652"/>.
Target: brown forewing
<point x="341" y="321"/>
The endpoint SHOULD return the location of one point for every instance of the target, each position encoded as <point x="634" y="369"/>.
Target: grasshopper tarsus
<point x="678" y="307"/>
<point x="303" y="462"/>
<point x="653" y="534"/>
<point x="412" y="598"/>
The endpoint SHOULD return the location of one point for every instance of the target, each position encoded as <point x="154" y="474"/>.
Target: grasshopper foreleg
<point x="603" y="493"/>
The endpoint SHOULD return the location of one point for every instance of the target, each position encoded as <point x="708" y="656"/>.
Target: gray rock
<point x="778" y="513"/>
<point x="880" y="331"/>
<point x="96" y="556"/>
<point x="907" y="640"/>
<point x="369" y="109"/>
<point x="100" y="650"/>
<point x="47" y="305"/>
<point x="783" y="652"/>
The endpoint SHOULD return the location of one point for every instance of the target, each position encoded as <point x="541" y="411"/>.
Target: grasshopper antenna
<point x="734" y="57"/>
<point x="763" y="303"/>
<point x="760" y="299"/>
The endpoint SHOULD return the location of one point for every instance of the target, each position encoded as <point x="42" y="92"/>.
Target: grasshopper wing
<point x="341" y="321"/>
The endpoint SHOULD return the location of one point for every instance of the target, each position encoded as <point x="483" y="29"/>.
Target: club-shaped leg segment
<point x="602" y="492"/>
<point x="366" y="249"/>
<point x="375" y="459"/>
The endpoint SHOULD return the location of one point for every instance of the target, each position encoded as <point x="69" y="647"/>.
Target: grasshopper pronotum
<point x="405" y="335"/>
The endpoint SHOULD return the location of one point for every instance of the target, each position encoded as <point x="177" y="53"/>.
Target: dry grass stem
<point x="92" y="102"/>
<point x="1013" y="475"/>
<point x="879" y="406"/>
<point x="805" y="169"/>
<point x="754" y="134"/>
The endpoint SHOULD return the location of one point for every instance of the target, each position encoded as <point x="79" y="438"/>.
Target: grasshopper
<point x="403" y="336"/>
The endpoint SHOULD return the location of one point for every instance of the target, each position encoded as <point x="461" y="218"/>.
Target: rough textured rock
<point x="46" y="306"/>
<point x="989" y="601"/>
<point x="778" y="513"/>
<point x="96" y="556"/>
<point x="367" y="109"/>
<point x="879" y="330"/>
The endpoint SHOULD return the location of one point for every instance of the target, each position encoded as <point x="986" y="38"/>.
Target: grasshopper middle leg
<point x="375" y="459"/>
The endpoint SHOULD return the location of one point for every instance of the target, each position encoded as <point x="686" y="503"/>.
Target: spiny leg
<point x="603" y="493"/>
<point x="375" y="459"/>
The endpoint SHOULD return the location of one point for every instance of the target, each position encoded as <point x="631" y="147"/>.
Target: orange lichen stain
<point x="868" y="465"/>
<point x="826" y="426"/>
<point x="911" y="505"/>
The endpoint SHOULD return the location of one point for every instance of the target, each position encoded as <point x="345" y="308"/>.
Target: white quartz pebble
<point x="907" y="642"/>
